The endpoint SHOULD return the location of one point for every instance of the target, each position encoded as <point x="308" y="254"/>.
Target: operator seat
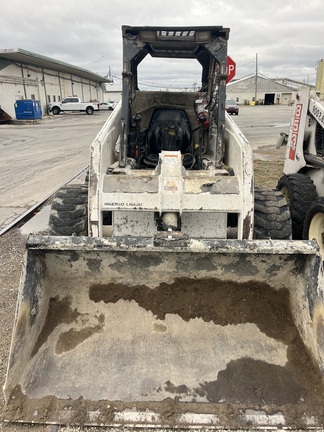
<point x="169" y="129"/>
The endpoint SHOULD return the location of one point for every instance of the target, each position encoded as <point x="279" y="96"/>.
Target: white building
<point x="113" y="91"/>
<point x="26" y="75"/>
<point x="260" y="90"/>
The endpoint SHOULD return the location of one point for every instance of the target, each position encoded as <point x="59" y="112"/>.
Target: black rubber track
<point x="69" y="211"/>
<point x="271" y="215"/>
<point x="301" y="193"/>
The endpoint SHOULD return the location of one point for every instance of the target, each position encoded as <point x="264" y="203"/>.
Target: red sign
<point x="230" y="69"/>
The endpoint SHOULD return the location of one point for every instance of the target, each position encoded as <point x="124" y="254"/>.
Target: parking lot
<point x="36" y="159"/>
<point x="262" y="124"/>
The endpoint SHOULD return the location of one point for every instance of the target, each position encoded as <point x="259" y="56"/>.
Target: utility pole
<point x="256" y="78"/>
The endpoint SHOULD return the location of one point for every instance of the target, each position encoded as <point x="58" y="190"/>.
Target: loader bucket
<point x="218" y="334"/>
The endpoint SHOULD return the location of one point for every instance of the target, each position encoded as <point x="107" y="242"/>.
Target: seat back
<point x="169" y="130"/>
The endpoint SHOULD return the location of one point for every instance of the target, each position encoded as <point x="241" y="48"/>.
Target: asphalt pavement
<point x="37" y="159"/>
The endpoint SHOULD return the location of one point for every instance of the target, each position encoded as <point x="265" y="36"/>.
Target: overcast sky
<point x="285" y="36"/>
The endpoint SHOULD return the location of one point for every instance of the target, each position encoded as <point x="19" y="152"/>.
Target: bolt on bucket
<point x="218" y="333"/>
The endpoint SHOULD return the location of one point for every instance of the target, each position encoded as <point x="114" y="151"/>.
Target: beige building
<point x="260" y="90"/>
<point x="26" y="75"/>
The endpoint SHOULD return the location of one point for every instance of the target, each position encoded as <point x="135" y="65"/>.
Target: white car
<point x="111" y="105"/>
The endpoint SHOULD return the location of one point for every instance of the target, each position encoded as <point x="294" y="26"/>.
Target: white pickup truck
<point x="73" y="104"/>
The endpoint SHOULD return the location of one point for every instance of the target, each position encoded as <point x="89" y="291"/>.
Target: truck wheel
<point x="314" y="224"/>
<point x="68" y="214"/>
<point x="271" y="215"/>
<point x="89" y="110"/>
<point x="56" y="110"/>
<point x="300" y="192"/>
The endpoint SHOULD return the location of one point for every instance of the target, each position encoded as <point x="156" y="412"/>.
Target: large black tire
<point x="89" y="110"/>
<point x="56" y="110"/>
<point x="300" y="192"/>
<point x="68" y="214"/>
<point x="271" y="215"/>
<point x="314" y="223"/>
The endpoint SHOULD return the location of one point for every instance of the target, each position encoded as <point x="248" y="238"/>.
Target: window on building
<point x="59" y="98"/>
<point x="32" y="97"/>
<point x="49" y="98"/>
<point x="54" y="98"/>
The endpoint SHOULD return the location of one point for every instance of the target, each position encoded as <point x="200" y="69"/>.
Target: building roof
<point x="294" y="83"/>
<point x="264" y="84"/>
<point x="27" y="57"/>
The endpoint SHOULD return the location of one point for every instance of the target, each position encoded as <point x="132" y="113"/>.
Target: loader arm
<point x="306" y="137"/>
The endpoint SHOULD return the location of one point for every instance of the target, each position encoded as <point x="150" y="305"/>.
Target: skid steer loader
<point x="168" y="293"/>
<point x="303" y="174"/>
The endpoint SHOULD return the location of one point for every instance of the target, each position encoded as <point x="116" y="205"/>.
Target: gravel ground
<point x="12" y="245"/>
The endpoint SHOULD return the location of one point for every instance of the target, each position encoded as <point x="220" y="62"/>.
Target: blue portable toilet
<point x="28" y="109"/>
